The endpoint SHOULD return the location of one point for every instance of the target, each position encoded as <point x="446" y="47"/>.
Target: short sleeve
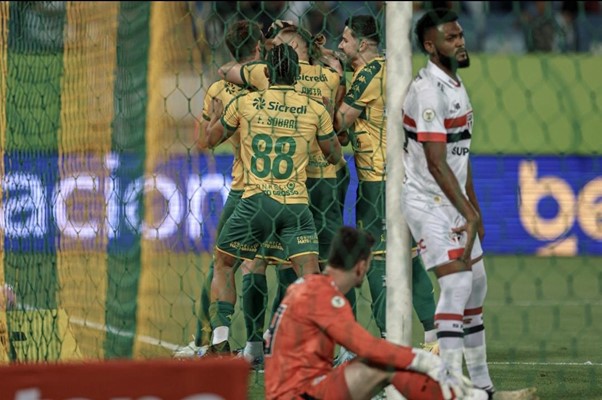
<point x="366" y="87"/>
<point x="253" y="75"/>
<point x="231" y="117"/>
<point x="325" y="128"/>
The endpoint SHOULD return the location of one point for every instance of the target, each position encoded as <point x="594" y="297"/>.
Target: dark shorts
<point x="258" y="219"/>
<point x="326" y="198"/>
<point x="233" y="198"/>
<point x="370" y="212"/>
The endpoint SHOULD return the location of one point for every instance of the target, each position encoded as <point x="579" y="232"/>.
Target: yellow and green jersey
<point x="226" y="91"/>
<point x="368" y="135"/>
<point x="253" y="75"/>
<point x="277" y="128"/>
<point x="315" y="81"/>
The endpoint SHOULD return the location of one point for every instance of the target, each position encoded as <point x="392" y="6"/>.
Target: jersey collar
<point x="434" y="70"/>
<point x="282" y="87"/>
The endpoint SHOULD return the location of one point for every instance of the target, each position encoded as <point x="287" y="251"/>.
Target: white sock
<point x="476" y="394"/>
<point x="475" y="351"/>
<point x="454" y="292"/>
<point x="476" y="363"/>
<point x="220" y="334"/>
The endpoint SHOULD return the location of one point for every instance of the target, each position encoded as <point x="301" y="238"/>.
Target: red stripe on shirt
<point x="455" y="122"/>
<point x="455" y="253"/>
<point x="447" y="317"/>
<point x="432" y="137"/>
<point x="409" y="121"/>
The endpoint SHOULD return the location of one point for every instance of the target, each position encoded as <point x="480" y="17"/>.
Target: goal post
<point x="398" y="21"/>
<point x="399" y="271"/>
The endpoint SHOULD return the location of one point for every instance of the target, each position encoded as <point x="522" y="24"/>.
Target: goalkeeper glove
<point x="453" y="385"/>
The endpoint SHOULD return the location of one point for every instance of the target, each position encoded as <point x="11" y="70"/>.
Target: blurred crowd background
<point x="516" y="27"/>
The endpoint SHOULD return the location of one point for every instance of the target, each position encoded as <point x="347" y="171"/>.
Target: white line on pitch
<point x="544" y="303"/>
<point x="174" y="347"/>
<point x="101" y="327"/>
<point x="143" y="338"/>
<point x="585" y="364"/>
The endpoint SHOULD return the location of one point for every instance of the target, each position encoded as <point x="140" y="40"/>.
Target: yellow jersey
<point x="253" y="75"/>
<point x="314" y="81"/>
<point x="277" y="128"/>
<point x="226" y="91"/>
<point x="368" y="135"/>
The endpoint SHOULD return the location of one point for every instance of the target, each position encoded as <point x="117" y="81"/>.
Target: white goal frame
<point x="398" y="24"/>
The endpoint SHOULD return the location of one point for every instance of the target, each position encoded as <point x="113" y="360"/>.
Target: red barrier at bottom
<point x="201" y="379"/>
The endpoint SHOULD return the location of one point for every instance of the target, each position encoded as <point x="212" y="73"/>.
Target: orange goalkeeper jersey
<point x="313" y="317"/>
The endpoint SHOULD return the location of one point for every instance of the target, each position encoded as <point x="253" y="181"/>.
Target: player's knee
<point x="479" y="285"/>
<point x="358" y="372"/>
<point x="223" y="260"/>
<point x="306" y="264"/>
<point x="456" y="289"/>
<point x="256" y="266"/>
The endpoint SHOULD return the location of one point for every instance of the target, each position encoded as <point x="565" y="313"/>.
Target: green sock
<point x="423" y="297"/>
<point x="254" y="301"/>
<point x="221" y="313"/>
<point x="203" y="325"/>
<point x="285" y="278"/>
<point x="378" y="291"/>
<point x="351" y="297"/>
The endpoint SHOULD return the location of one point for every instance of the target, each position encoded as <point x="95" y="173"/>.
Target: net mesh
<point x="110" y="211"/>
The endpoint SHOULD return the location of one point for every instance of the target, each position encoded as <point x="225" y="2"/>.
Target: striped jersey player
<point x="438" y="197"/>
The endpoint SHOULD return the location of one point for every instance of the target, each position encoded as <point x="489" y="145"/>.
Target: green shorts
<point x="370" y="213"/>
<point x="259" y="219"/>
<point x="233" y="198"/>
<point x="326" y="199"/>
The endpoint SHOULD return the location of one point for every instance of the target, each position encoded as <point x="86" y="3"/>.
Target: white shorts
<point x="431" y="224"/>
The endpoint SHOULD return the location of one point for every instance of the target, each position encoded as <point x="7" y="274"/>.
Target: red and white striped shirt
<point x="436" y="109"/>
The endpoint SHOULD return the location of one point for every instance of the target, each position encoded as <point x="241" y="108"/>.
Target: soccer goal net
<point x="111" y="208"/>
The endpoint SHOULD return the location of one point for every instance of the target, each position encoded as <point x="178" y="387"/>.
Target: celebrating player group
<point x="284" y="105"/>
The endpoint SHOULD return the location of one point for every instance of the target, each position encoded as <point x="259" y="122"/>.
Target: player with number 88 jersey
<point x="277" y="127"/>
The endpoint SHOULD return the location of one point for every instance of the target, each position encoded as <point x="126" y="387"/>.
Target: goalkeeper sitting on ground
<point x="315" y="316"/>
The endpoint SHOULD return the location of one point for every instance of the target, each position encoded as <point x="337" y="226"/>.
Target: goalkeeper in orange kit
<point x="315" y="316"/>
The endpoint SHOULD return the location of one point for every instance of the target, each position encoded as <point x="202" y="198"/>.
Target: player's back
<point x="317" y="81"/>
<point x="298" y="350"/>
<point x="314" y="80"/>
<point x="278" y="126"/>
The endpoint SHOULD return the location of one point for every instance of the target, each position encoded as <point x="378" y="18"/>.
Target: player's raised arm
<point x="351" y="335"/>
<point x="200" y="130"/>
<point x="331" y="148"/>
<point x="217" y="129"/>
<point x="338" y="101"/>
<point x="231" y="71"/>
<point x="327" y="138"/>
<point x="344" y="117"/>
<point x="246" y="69"/>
